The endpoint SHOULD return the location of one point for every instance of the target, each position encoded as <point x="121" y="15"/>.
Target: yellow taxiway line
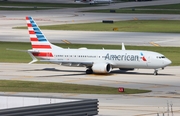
<point x="154" y="44"/>
<point x="65" y="41"/>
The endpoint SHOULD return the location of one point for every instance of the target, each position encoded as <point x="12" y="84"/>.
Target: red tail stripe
<point x="42" y="46"/>
<point x="27" y="18"/>
<point x="29" y="25"/>
<point x="34" y="39"/>
<point x="43" y="54"/>
<point x="31" y="32"/>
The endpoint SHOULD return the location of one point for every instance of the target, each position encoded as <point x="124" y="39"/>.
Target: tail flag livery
<point x="38" y="40"/>
<point x="41" y="47"/>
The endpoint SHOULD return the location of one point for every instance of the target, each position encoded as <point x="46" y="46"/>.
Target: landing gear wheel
<point x="155" y="72"/>
<point x="89" y="71"/>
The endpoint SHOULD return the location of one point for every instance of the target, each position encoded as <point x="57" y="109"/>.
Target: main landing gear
<point x="155" y="72"/>
<point x="89" y="71"/>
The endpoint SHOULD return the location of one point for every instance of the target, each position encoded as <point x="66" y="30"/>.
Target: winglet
<point x="123" y="47"/>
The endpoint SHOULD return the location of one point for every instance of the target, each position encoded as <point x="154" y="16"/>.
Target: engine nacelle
<point x="101" y="68"/>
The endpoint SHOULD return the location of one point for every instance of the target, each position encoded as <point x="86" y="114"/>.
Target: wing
<point x="70" y="63"/>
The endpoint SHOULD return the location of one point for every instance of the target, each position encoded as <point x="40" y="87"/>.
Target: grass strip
<point x="159" y="26"/>
<point x="156" y="9"/>
<point x="168" y="6"/>
<point x="40" y="4"/>
<point x="138" y="11"/>
<point x="173" y="53"/>
<point x="16" y="9"/>
<point x="51" y="87"/>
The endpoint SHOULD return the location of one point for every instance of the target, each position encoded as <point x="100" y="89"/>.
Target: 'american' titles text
<point x="125" y="57"/>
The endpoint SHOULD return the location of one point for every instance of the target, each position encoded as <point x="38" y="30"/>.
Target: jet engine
<point x="101" y="68"/>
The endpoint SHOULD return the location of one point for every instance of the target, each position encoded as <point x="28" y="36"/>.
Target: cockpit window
<point x="160" y="57"/>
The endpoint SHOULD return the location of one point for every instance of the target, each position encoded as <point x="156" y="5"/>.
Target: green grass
<point x="13" y="9"/>
<point x="28" y="86"/>
<point x="162" y="26"/>
<point x="159" y="9"/>
<point x="38" y="6"/>
<point x="169" y="6"/>
<point x="44" y="4"/>
<point x="138" y="11"/>
<point x="173" y="53"/>
<point x="14" y="56"/>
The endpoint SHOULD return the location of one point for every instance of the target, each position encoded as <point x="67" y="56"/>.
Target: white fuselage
<point x="117" y="58"/>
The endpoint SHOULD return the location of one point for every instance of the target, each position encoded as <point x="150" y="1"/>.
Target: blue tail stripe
<point x="30" y="18"/>
<point x="35" y="28"/>
<point x="37" y="31"/>
<point x="40" y="36"/>
<point x="31" y="21"/>
<point x="42" y="39"/>
<point x="33" y="25"/>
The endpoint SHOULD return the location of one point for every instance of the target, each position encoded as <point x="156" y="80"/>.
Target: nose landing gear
<point x="155" y="72"/>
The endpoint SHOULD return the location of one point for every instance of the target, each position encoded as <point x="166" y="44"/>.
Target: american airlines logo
<point x="142" y="56"/>
<point x="125" y="57"/>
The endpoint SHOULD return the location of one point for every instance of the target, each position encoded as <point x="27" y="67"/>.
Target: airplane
<point x="94" y="1"/>
<point x="95" y="60"/>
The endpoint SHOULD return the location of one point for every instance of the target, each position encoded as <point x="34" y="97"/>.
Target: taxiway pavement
<point x="9" y="20"/>
<point x="165" y="86"/>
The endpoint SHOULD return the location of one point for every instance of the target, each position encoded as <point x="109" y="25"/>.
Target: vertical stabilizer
<point x="37" y="38"/>
<point x="41" y="47"/>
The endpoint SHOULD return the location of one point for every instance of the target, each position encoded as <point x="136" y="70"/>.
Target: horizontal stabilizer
<point x="17" y="50"/>
<point x="28" y="51"/>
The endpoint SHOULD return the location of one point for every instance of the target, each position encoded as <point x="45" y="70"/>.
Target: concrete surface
<point x="165" y="87"/>
<point x="9" y="20"/>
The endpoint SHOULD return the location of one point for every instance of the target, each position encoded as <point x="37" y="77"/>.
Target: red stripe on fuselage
<point x="43" y="54"/>
<point x="42" y="46"/>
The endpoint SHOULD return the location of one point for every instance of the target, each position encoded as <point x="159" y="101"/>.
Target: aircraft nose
<point x="168" y="62"/>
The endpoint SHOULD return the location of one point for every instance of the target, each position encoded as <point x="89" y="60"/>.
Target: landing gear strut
<point x="155" y="72"/>
<point x="89" y="71"/>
